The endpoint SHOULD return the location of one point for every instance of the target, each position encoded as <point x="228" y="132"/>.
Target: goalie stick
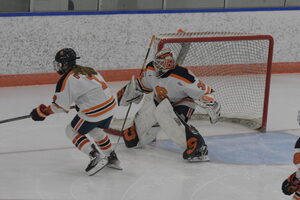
<point x="120" y="133"/>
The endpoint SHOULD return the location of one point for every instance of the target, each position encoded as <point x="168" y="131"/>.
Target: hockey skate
<point x="113" y="161"/>
<point x="200" y="154"/>
<point x="97" y="162"/>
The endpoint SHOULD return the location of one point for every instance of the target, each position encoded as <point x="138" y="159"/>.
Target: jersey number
<point x="102" y="83"/>
<point x="192" y="144"/>
<point x="161" y="92"/>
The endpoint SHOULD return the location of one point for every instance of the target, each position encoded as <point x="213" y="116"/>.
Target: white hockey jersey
<point x="90" y="94"/>
<point x="180" y="85"/>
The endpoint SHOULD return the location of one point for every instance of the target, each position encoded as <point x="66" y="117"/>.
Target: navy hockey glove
<point x="40" y="113"/>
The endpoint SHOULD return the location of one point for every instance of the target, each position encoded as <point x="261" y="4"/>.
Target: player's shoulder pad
<point x="183" y="74"/>
<point x="60" y="86"/>
<point x="150" y="66"/>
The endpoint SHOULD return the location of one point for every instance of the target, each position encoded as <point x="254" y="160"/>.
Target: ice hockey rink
<point x="38" y="162"/>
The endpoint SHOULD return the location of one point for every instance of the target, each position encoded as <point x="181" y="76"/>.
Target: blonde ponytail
<point x="88" y="71"/>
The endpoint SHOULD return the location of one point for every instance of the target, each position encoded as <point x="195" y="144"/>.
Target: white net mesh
<point x="234" y="64"/>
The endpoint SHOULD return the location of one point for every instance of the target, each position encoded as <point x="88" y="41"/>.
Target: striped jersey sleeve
<point x="194" y="88"/>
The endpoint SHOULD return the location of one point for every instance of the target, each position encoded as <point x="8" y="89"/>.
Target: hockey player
<point x="175" y="90"/>
<point x="94" y="104"/>
<point x="292" y="184"/>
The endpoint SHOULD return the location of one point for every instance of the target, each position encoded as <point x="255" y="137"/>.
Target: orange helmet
<point x="163" y="61"/>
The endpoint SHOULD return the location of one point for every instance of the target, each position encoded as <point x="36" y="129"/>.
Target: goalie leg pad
<point x="170" y="123"/>
<point x="131" y="137"/>
<point x="186" y="136"/>
<point x="141" y="131"/>
<point x="145" y="120"/>
<point x="196" y="150"/>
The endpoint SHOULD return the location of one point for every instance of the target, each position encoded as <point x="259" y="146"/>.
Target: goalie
<point x="176" y="91"/>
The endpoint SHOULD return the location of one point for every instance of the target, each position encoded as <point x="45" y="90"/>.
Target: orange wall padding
<point x="111" y="75"/>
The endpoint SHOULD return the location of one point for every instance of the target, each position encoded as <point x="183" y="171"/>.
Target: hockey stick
<point x="128" y="110"/>
<point x="15" y="119"/>
<point x="22" y="117"/>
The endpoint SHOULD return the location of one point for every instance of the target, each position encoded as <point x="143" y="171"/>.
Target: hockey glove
<point x="40" y="113"/>
<point x="212" y="107"/>
<point x="290" y="185"/>
<point x="129" y="94"/>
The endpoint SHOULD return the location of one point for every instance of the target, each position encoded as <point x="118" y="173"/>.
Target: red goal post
<point x="237" y="65"/>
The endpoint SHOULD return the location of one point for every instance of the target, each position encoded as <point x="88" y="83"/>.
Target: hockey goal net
<point x="236" y="65"/>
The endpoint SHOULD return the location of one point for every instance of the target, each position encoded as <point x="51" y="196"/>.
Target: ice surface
<point x="37" y="161"/>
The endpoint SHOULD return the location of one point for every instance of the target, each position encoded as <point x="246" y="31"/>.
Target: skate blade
<point x="102" y="163"/>
<point x="199" y="159"/>
<point x="114" y="166"/>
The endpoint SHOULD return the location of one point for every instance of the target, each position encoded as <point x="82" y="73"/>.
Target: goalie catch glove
<point x="211" y="106"/>
<point x="129" y="94"/>
<point x="290" y="185"/>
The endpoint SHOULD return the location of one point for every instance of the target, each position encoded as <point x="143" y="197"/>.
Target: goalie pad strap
<point x="143" y="130"/>
<point x="130" y="137"/>
<point x="145" y="119"/>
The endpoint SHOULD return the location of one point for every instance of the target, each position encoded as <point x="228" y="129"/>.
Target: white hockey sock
<point x="80" y="141"/>
<point x="102" y="140"/>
